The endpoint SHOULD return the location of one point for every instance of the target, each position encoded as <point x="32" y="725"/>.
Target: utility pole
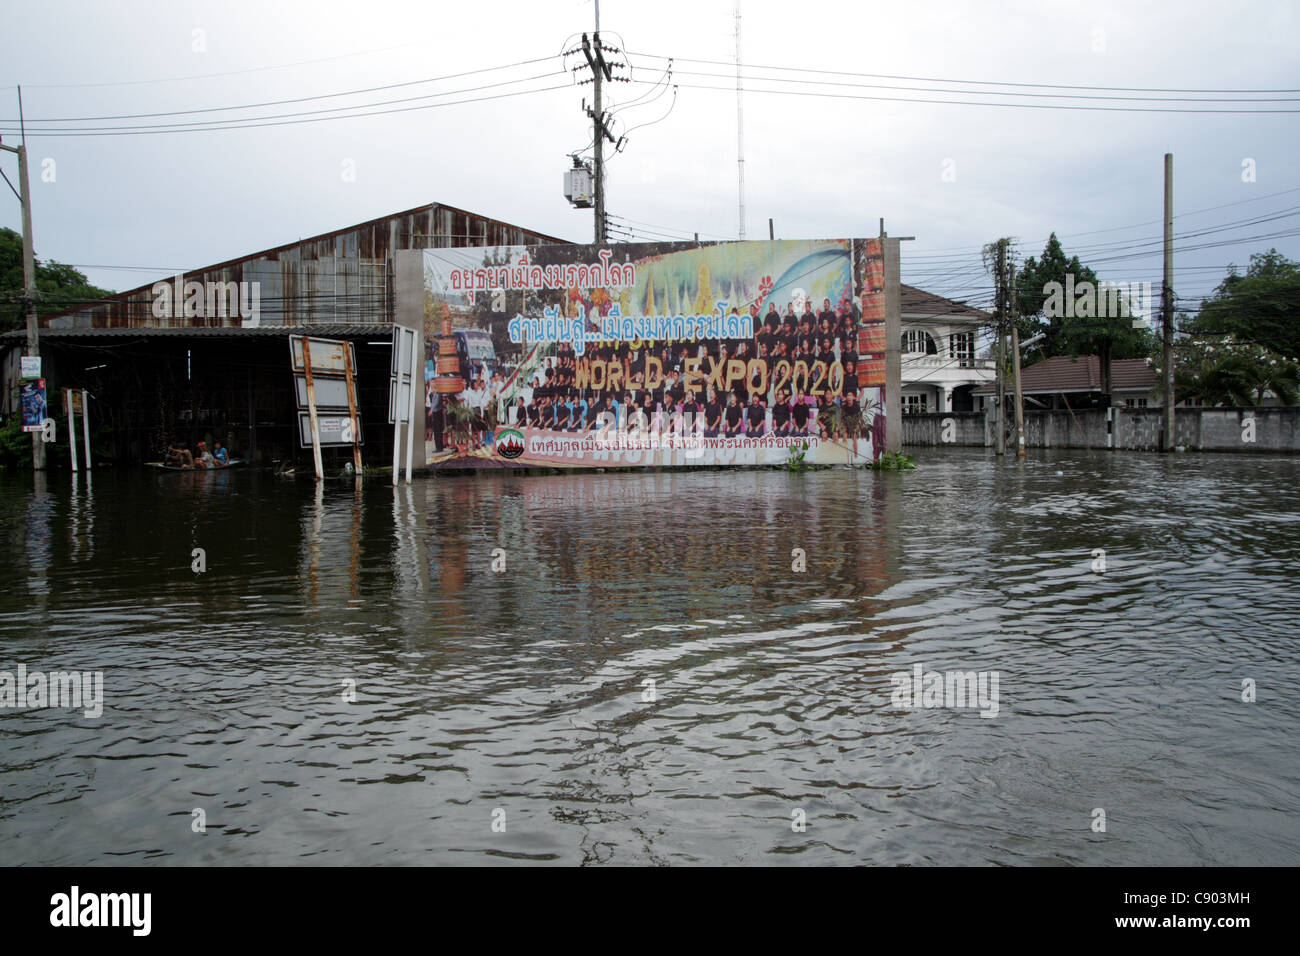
<point x="600" y="72"/>
<point x="1167" y="305"/>
<point x="29" y="271"/>
<point x="1015" y="360"/>
<point x="1000" y="445"/>
<point x="740" y="127"/>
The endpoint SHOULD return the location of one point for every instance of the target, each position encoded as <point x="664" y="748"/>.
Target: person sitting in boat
<point x="220" y="454"/>
<point x="179" y="455"/>
<point x="205" y="459"/>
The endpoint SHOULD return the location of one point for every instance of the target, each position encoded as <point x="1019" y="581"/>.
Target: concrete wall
<point x="967" y="428"/>
<point x="1134" y="429"/>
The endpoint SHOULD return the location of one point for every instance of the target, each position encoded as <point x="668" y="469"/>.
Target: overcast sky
<point x="953" y="176"/>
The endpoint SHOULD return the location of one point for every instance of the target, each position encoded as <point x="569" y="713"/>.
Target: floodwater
<point x="501" y="709"/>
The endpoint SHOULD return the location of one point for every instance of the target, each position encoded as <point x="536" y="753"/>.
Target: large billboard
<point x="655" y="354"/>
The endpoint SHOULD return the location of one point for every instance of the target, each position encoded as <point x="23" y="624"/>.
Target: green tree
<point x="58" y="286"/>
<point x="1221" y="371"/>
<point x="1106" y="327"/>
<point x="1261" y="306"/>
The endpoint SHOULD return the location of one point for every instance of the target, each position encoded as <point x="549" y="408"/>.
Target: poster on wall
<point x="32" y="398"/>
<point x="654" y="354"/>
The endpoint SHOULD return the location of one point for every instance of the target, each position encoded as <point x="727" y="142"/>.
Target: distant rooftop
<point x="918" y="302"/>
<point x="1067" y="373"/>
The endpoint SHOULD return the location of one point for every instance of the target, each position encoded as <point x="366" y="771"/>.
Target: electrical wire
<point x="925" y="79"/>
<point x="946" y="102"/>
<point x="313" y="116"/>
<point x="301" y="99"/>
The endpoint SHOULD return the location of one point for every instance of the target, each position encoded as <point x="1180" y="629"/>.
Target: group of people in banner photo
<point x="797" y="376"/>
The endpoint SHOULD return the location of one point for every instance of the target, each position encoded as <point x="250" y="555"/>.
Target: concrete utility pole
<point x="1167" y="306"/>
<point x="29" y="273"/>
<point x="740" y="127"/>
<point x="1000" y="444"/>
<point x="600" y="72"/>
<point x="1015" y="360"/>
<point x="598" y="117"/>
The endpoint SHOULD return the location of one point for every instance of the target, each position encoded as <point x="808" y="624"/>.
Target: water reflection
<point x="501" y="631"/>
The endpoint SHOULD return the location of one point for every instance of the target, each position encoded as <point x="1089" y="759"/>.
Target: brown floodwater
<point x="455" y="671"/>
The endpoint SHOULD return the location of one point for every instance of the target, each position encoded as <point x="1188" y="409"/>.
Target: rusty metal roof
<point x="325" y="279"/>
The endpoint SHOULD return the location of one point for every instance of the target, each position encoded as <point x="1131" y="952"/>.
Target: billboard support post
<point x="72" y="428"/>
<point x="402" y="396"/>
<point x="891" y="251"/>
<point x="352" y="413"/>
<point x="311" y="408"/>
<point x="397" y="448"/>
<point x="410" y="424"/>
<point x="85" y="425"/>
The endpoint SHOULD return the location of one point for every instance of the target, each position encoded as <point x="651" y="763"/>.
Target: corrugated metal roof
<point x="329" y="278"/>
<point x="1066" y="373"/>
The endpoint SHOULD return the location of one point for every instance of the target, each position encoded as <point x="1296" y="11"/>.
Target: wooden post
<point x="311" y="408"/>
<point x="352" y="409"/>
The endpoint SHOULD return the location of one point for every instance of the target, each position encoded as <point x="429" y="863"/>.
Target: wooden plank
<point x="311" y="408"/>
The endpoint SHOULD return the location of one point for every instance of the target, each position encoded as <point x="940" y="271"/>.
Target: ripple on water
<point x="349" y="682"/>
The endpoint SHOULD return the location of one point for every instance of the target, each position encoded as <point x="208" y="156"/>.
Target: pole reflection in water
<point x="314" y="524"/>
<point x="39" y="512"/>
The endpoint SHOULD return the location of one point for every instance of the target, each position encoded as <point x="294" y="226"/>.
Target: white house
<point x="940" y="367"/>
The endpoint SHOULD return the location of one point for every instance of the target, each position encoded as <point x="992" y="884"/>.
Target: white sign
<point x="31" y="366"/>
<point x="335" y="430"/>
<point x="331" y="393"/>
<point x="399" y="384"/>
<point x="327" y="355"/>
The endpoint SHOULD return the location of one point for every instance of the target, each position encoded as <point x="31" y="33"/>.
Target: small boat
<point x="160" y="466"/>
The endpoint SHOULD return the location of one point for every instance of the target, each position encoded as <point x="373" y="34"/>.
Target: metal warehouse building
<point x="157" y="378"/>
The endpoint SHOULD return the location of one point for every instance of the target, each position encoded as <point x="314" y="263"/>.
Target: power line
<point x="1136" y="225"/>
<point x="1066" y="96"/>
<point x="301" y="99"/>
<point x="1027" y="106"/>
<point x="930" y="79"/>
<point x="313" y="119"/>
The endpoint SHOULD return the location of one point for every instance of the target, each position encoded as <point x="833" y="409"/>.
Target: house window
<point x="916" y="340"/>
<point x="962" y="347"/>
<point x="1135" y="402"/>
<point x="915" y="404"/>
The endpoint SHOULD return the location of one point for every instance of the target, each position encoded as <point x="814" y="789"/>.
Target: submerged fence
<point x="1248" y="429"/>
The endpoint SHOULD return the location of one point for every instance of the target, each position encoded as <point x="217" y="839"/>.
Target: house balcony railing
<point x="915" y="360"/>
